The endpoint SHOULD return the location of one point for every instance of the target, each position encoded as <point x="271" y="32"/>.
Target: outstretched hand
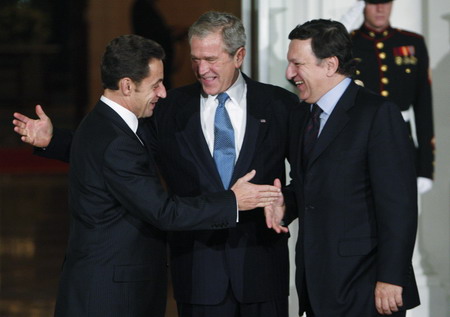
<point x="37" y="132"/>
<point x="251" y="196"/>
<point x="275" y="212"/>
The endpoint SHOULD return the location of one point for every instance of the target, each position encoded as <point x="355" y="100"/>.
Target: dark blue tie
<point x="311" y="133"/>
<point x="140" y="132"/>
<point x="224" y="150"/>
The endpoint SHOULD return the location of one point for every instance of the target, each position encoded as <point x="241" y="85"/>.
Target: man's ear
<point x="239" y="56"/>
<point x="126" y="86"/>
<point x="332" y="65"/>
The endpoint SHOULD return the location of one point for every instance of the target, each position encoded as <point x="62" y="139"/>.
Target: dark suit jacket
<point x="250" y="258"/>
<point x="115" y="263"/>
<point x="358" y="206"/>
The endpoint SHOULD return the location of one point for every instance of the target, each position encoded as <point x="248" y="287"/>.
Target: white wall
<point x="429" y="17"/>
<point x="435" y="216"/>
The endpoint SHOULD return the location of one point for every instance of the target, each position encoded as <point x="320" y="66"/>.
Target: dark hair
<point x="128" y="56"/>
<point x="328" y="38"/>
<point x="230" y="26"/>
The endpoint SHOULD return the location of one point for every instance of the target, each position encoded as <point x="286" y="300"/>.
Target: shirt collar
<point x="328" y="101"/>
<point x="236" y="91"/>
<point x="129" y="117"/>
<point x="375" y="34"/>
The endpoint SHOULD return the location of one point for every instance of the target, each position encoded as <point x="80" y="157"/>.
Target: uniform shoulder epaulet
<point x="409" y="33"/>
<point x="354" y="33"/>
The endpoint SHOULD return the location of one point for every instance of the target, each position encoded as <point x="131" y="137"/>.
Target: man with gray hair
<point x="242" y="271"/>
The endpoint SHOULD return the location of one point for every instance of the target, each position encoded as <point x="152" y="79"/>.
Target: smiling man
<point x="115" y="263"/>
<point x="205" y="136"/>
<point x="243" y="271"/>
<point x="354" y="182"/>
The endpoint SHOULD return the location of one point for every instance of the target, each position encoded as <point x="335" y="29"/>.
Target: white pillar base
<point x="431" y="291"/>
<point x="293" y="302"/>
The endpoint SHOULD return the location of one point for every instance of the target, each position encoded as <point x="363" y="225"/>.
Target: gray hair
<point x="231" y="28"/>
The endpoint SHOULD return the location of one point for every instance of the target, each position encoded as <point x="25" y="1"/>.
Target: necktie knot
<point x="222" y="98"/>
<point x="316" y="111"/>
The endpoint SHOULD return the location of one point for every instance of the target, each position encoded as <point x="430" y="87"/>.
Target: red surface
<point x="22" y="160"/>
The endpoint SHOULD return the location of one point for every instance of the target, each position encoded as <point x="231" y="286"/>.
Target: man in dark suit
<point x="115" y="260"/>
<point x="243" y="271"/>
<point x="354" y="183"/>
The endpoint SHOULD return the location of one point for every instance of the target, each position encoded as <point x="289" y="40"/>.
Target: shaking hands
<point x="250" y="196"/>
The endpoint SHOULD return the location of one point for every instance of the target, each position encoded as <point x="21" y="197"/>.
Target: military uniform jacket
<point x="395" y="64"/>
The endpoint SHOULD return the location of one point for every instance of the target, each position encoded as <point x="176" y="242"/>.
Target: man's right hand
<point x="37" y="132"/>
<point x="251" y="196"/>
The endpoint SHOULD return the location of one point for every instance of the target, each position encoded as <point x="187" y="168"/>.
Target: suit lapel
<point x="299" y="131"/>
<point x="189" y="123"/>
<point x="113" y="117"/>
<point x="335" y="123"/>
<point x="255" y="130"/>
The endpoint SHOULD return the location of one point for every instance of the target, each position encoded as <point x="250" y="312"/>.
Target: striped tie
<point x="311" y="133"/>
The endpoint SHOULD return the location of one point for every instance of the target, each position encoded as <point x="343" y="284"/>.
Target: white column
<point x="409" y="16"/>
<point x="246" y="9"/>
<point x="435" y="222"/>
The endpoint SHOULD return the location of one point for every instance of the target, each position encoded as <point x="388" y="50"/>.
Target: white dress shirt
<point x="132" y="121"/>
<point x="236" y="107"/>
<point x="328" y="101"/>
<point x="129" y="117"/>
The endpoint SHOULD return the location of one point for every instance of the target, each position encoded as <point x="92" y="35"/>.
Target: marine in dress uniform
<point x="395" y="63"/>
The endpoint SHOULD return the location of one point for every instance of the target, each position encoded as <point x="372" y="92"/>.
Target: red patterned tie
<point x="311" y="133"/>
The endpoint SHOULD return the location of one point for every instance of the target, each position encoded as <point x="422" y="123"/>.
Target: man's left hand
<point x="388" y="298"/>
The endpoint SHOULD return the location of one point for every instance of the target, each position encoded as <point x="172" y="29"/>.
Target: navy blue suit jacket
<point x="115" y="261"/>
<point x="357" y="206"/>
<point x="250" y="258"/>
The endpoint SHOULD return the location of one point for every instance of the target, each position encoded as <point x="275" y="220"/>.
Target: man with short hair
<point x="354" y="182"/>
<point x="115" y="263"/>
<point x="242" y="271"/>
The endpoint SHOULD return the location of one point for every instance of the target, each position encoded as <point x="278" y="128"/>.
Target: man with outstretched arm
<point x="115" y="263"/>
